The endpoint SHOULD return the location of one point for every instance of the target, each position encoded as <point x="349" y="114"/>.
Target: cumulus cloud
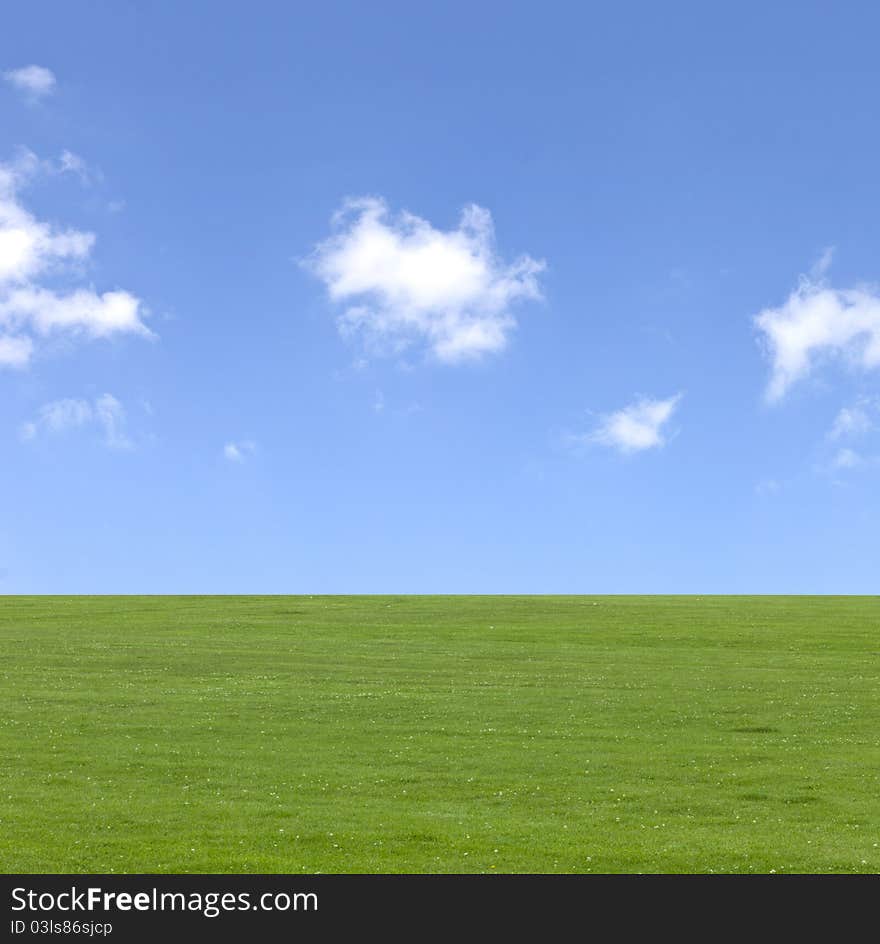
<point x="817" y="323"/>
<point x="238" y="451"/>
<point x="104" y="413"/>
<point x="33" y="252"/>
<point x="405" y="282"/>
<point x="637" y="426"/>
<point x="34" y="82"/>
<point x="83" y="310"/>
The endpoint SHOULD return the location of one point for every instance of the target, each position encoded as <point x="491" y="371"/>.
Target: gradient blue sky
<point x="678" y="168"/>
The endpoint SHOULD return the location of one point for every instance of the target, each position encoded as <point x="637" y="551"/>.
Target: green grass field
<point x="439" y="734"/>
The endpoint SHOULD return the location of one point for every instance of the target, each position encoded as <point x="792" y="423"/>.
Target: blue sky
<point x="464" y="298"/>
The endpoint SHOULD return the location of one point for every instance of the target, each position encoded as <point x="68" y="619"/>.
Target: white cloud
<point x="70" y="163"/>
<point x="29" y="247"/>
<point x="238" y="451"/>
<point x="406" y="282"/>
<point x="15" y="351"/>
<point x="82" y="310"/>
<point x="767" y="487"/>
<point x="65" y="414"/>
<point x="818" y="322"/>
<point x="105" y="413"/>
<point x="636" y="427"/>
<point x="846" y="459"/>
<point x="34" y="81"/>
<point x="823" y="263"/>
<point x="854" y="420"/>
<point x="32" y="251"/>
<point x="110" y="415"/>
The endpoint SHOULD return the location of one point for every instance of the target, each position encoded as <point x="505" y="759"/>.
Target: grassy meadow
<point x="439" y="734"/>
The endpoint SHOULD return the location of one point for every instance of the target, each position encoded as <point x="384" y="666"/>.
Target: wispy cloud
<point x="767" y="487"/>
<point x="34" y="82"/>
<point x="855" y="420"/>
<point x="15" y="351"/>
<point x="818" y="322"/>
<point x="639" y="426"/>
<point x="239" y="451"/>
<point x="70" y="163"/>
<point x="31" y="253"/>
<point x="846" y="459"/>
<point x="407" y="283"/>
<point x="104" y="413"/>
